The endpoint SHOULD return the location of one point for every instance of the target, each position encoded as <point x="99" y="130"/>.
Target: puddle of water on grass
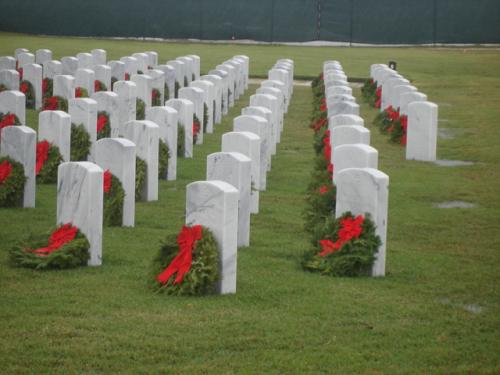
<point x="455" y="204"/>
<point x="472" y="308"/>
<point x="453" y="163"/>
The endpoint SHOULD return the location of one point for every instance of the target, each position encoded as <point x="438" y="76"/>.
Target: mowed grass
<point x="436" y="311"/>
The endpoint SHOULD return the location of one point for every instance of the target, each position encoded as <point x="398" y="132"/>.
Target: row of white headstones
<point x="422" y="128"/>
<point x="80" y="183"/>
<point x="361" y="187"/>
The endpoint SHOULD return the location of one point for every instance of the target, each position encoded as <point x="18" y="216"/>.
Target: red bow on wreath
<point x="42" y="154"/>
<point x="349" y="229"/>
<point x="182" y="262"/>
<point x="57" y="239"/>
<point x="5" y="170"/>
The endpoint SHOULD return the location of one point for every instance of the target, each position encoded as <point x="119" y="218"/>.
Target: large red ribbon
<point x="349" y="229"/>
<point x="42" y="154"/>
<point x="5" y="171"/>
<point x="106" y="181"/>
<point x="51" y="104"/>
<point x="58" y="238"/>
<point x="182" y="262"/>
<point x="8" y="120"/>
<point x="101" y="122"/>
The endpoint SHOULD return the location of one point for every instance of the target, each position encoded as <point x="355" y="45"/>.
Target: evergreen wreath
<point x="47" y="87"/>
<point x="140" y="177"/>
<point x="67" y="247"/>
<point x="8" y="119"/>
<point x="201" y="273"/>
<point x="163" y="156"/>
<point x="48" y="159"/>
<point x="103" y="125"/>
<point x="181" y="136"/>
<point x="196" y="128"/>
<point x="205" y="117"/>
<point x="140" y="108"/>
<point x="177" y="88"/>
<point x="369" y="92"/>
<point x="155" y="98"/>
<point x="55" y="103"/>
<point x="114" y="196"/>
<point x="166" y="92"/>
<point x="29" y="92"/>
<point x="346" y="246"/>
<point x="12" y="180"/>
<point x="99" y="86"/>
<point x="81" y="92"/>
<point x="80" y="142"/>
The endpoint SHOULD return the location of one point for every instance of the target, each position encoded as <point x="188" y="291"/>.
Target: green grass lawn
<point x="436" y="311"/>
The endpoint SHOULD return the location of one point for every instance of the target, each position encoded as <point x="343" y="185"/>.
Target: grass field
<point x="436" y="311"/>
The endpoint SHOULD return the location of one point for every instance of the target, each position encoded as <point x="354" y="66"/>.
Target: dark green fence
<point x="356" y="21"/>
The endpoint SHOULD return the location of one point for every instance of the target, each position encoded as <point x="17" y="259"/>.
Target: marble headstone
<point x="51" y="69"/>
<point x="7" y="62"/>
<point x="218" y="87"/>
<point x="410" y="97"/>
<point x="108" y="101"/>
<point x="69" y="65"/>
<point x="13" y="102"/>
<point x="355" y="155"/>
<point x="64" y="86"/>
<point x="10" y="78"/>
<point x="267" y="114"/>
<point x="143" y="83"/>
<point x="85" y="60"/>
<point x="208" y="100"/>
<point x="422" y="131"/>
<point x="24" y="59"/>
<point x="55" y="127"/>
<point x="42" y="56"/>
<point x="127" y="94"/>
<point x="185" y="110"/>
<point x="348" y="134"/>
<point x="99" y="56"/>
<point x="195" y="95"/>
<point x="83" y="111"/>
<point x="103" y="74"/>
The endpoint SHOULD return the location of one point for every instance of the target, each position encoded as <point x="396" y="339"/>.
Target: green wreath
<point x="140" y="106"/>
<point x="166" y="92"/>
<point x="70" y="255"/>
<point x="13" y="117"/>
<point x="196" y="125"/>
<point x="80" y="143"/>
<point x="177" y="88"/>
<point x="99" y="86"/>
<point x="55" y="103"/>
<point x="155" y="98"/>
<point x="47" y="87"/>
<point x="81" y="92"/>
<point x="383" y="121"/>
<point x="368" y="91"/>
<point x="12" y="188"/>
<point x="26" y="87"/>
<point x="105" y="132"/>
<point x="181" y="146"/>
<point x="48" y="173"/>
<point x="163" y="155"/>
<point x="140" y="177"/>
<point x="205" y="117"/>
<point x="113" y="203"/>
<point x="204" y="272"/>
<point x="355" y="256"/>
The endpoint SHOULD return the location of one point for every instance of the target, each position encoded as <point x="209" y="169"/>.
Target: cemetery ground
<point x="436" y="311"/>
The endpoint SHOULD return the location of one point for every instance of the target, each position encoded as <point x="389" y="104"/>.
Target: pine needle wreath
<point x="12" y="183"/>
<point x="202" y="276"/>
<point x="8" y="119"/>
<point x="368" y="92"/>
<point x="177" y="88"/>
<point x="55" y="103"/>
<point x="48" y="172"/>
<point x="80" y="142"/>
<point x="47" y="87"/>
<point x="354" y="257"/>
<point x="140" y="177"/>
<point x="29" y="92"/>
<point x="155" y="98"/>
<point x="196" y="128"/>
<point x="205" y="117"/>
<point x="140" y="108"/>
<point x="81" y="92"/>
<point x="103" y="125"/>
<point x="113" y="202"/>
<point x="163" y="155"/>
<point x="99" y="86"/>
<point x="181" y="136"/>
<point x="72" y="254"/>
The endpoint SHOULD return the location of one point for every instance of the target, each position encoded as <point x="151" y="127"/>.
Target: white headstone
<point x="422" y="131"/>
<point x="344" y="108"/>
<point x="188" y="68"/>
<point x="64" y="86"/>
<point x="353" y="156"/>
<point x="55" y="127"/>
<point x="108" y="101"/>
<point x="145" y="136"/>
<point x="361" y="191"/>
<point x="69" y="65"/>
<point x="18" y="51"/>
<point x="270" y="102"/>
<point x="280" y="86"/>
<point x="348" y="134"/>
<point x="10" y="78"/>
<point x="218" y="87"/>
<point x="19" y="143"/>
<point x="157" y="83"/>
<point x="117" y="71"/>
<point x="24" y="59"/>
<point x="143" y="82"/>
<point x="142" y="61"/>
<point x="85" y="60"/>
<point x="85" y="78"/>
<point x="281" y="100"/>
<point x="410" y="97"/>
<point x="208" y="100"/>
<point x="179" y="71"/>
<point x="268" y="115"/>
<point x="195" y="95"/>
<point x="185" y="110"/>
<point x="103" y="74"/>
<point x="396" y="93"/>
<point x="336" y="90"/>
<point x="169" y="72"/>
<point x="127" y="94"/>
<point x="80" y="202"/>
<point x="42" y="56"/>
<point x="248" y="144"/>
<point x="214" y="204"/>
<point x="152" y="58"/>
<point x="13" y="102"/>
<point x="197" y="64"/>
<point x="7" y="62"/>
<point x="118" y="156"/>
<point x="99" y="56"/>
<point x="225" y="89"/>
<point x="52" y="68"/>
<point x="231" y="82"/>
<point x="167" y="118"/>
<point x="131" y="65"/>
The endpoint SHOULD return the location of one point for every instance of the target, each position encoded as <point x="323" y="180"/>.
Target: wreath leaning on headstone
<point x="29" y="92"/>
<point x="187" y="264"/>
<point x="48" y="159"/>
<point x="8" y="119"/>
<point x="99" y="86"/>
<point x="66" y="247"/>
<point x="81" y="92"/>
<point x="103" y="125"/>
<point x="80" y="142"/>
<point x="163" y="155"/>
<point x="140" y="108"/>
<point x="114" y="196"/>
<point x="55" y="103"/>
<point x="181" y="147"/>
<point x="346" y="246"/>
<point x="196" y="128"/>
<point x="140" y="177"/>
<point x="47" y="87"/>
<point x="155" y="98"/>
<point x="12" y="180"/>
